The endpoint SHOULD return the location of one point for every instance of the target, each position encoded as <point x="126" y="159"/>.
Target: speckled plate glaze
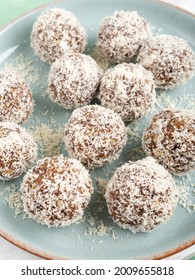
<point x="74" y="242"/>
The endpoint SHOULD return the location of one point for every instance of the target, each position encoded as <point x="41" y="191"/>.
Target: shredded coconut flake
<point x="14" y="201"/>
<point x="97" y="227"/>
<point x="23" y="66"/>
<point x="49" y="139"/>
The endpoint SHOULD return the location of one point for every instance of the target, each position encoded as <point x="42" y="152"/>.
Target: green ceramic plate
<point x="76" y="241"/>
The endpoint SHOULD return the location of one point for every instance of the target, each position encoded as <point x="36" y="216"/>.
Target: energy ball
<point x="95" y="135"/>
<point x="141" y="195"/>
<point x="170" y="59"/>
<point x="55" y="32"/>
<point x="170" y="138"/>
<point x="73" y="80"/>
<point x="56" y="191"/>
<point x="128" y="89"/>
<point x="17" y="150"/>
<point x="121" y="35"/>
<point x="16" y="102"/>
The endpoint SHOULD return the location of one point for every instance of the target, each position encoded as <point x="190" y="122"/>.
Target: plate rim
<point x="15" y="19"/>
<point x="42" y="254"/>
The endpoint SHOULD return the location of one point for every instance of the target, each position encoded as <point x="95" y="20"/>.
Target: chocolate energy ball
<point x="141" y="195"/>
<point x="128" y="89"/>
<point x="95" y="135"/>
<point x="55" y="32"/>
<point x="16" y="102"/>
<point x="56" y="191"/>
<point x="121" y="35"/>
<point x="73" y="80"/>
<point x="17" y="150"/>
<point x="170" y="59"/>
<point x="170" y="138"/>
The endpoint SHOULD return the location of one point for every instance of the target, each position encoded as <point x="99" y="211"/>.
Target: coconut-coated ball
<point x="55" y="32"/>
<point x="16" y="101"/>
<point x="141" y="195"/>
<point x="128" y="89"/>
<point x="95" y="135"/>
<point x="170" y="138"/>
<point x="170" y="59"/>
<point x="121" y="35"/>
<point x="56" y="191"/>
<point x="73" y="80"/>
<point x="17" y="150"/>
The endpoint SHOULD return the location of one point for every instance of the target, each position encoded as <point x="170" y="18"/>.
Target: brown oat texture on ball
<point x="170" y="138"/>
<point x="55" y="32"/>
<point x="16" y="101"/>
<point x="170" y="59"/>
<point x="121" y="35"/>
<point x="56" y="191"/>
<point x="17" y="150"/>
<point x="141" y="195"/>
<point x="95" y="135"/>
<point x="128" y="89"/>
<point x="73" y="80"/>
